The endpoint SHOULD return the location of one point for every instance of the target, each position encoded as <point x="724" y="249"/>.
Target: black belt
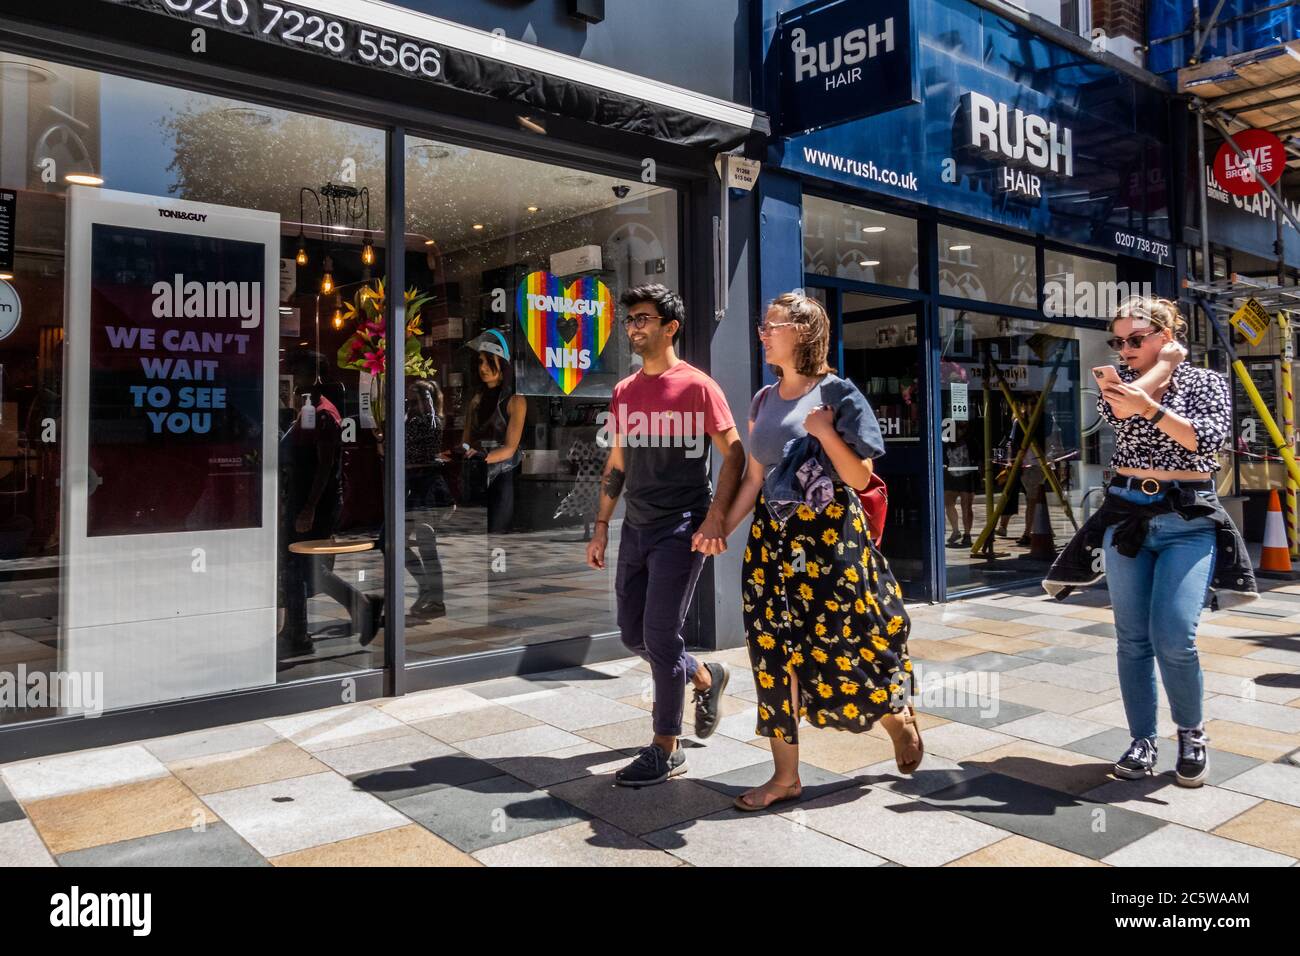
<point x="1154" y="486"/>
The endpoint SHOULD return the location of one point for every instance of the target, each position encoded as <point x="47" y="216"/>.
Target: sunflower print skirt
<point x="819" y="600"/>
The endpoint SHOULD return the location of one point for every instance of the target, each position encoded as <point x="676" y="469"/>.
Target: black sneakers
<point x="1139" y="760"/>
<point x="1193" y="761"/>
<point x="708" y="703"/>
<point x="651" y="766"/>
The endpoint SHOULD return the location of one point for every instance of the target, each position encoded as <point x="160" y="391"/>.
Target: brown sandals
<point x="792" y="792"/>
<point x="908" y="719"/>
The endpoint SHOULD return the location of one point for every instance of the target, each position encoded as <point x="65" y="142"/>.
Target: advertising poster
<point x="566" y="328"/>
<point x="176" y="349"/>
<point x="170" y="406"/>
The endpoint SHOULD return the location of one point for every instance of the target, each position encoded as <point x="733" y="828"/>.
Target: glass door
<point x="877" y="345"/>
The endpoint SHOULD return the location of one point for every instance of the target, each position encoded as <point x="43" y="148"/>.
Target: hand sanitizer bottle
<point x="308" y="419"/>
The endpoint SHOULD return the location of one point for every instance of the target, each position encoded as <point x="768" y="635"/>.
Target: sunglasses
<point x="766" y="328"/>
<point x="1115" y="342"/>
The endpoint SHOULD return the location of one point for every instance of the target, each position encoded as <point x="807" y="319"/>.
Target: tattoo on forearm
<point x="614" y="482"/>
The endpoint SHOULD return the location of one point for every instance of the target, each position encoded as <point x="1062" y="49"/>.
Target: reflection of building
<point x="48" y="114"/>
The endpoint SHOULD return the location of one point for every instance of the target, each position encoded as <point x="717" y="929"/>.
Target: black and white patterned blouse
<point x="1197" y="394"/>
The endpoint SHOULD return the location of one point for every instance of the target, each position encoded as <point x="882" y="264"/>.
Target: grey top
<point x="777" y="420"/>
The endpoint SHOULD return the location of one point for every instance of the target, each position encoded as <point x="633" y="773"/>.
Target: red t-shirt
<point x="663" y="423"/>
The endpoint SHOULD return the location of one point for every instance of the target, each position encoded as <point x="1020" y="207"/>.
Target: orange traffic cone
<point x="1042" y="545"/>
<point x="1275" y="558"/>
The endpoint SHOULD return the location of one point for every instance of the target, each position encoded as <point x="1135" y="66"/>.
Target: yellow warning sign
<point x="1251" y="320"/>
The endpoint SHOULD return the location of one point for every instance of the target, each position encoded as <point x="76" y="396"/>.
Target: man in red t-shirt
<point x="660" y="424"/>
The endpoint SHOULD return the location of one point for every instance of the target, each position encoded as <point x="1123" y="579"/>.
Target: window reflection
<point x="496" y="242"/>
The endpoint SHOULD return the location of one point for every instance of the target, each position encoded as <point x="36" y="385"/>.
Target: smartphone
<point x="1106" y="374"/>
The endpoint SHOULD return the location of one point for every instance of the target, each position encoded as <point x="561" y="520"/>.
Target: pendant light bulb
<point x="327" y="277"/>
<point x="368" y="254"/>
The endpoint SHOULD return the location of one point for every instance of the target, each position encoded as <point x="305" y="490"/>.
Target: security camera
<point x="621" y="191"/>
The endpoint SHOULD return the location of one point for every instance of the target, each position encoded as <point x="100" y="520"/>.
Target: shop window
<point x="853" y="242"/>
<point x="503" y="461"/>
<point x="998" y="497"/>
<point x="986" y="269"/>
<point x="1082" y="288"/>
<point x="173" y="522"/>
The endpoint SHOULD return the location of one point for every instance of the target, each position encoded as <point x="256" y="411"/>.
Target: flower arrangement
<point x="366" y="350"/>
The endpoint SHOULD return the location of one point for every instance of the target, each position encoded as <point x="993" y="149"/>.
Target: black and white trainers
<point x="1139" y="760"/>
<point x="1193" y="759"/>
<point x="708" y="703"/>
<point x="651" y="766"/>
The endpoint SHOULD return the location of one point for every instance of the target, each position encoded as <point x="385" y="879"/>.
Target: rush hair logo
<point x="998" y="131"/>
<point x="567" y="328"/>
<point x="845" y="50"/>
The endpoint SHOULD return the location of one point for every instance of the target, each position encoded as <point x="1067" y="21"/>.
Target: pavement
<point x="1019" y="706"/>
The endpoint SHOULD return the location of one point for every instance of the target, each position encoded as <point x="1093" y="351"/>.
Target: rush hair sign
<point x="840" y="60"/>
<point x="1260" y="148"/>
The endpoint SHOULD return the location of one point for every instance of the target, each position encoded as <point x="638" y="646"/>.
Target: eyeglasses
<point x="1115" y="342"/>
<point x="639" y="319"/>
<point x="767" y="328"/>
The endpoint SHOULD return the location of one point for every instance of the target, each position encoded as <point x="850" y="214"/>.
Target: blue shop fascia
<point x="963" y="123"/>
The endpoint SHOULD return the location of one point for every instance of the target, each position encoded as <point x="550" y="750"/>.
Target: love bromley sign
<point x="566" y="327"/>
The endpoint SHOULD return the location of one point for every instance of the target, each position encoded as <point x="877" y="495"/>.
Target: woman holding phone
<point x="1163" y="533"/>
<point x="824" y="617"/>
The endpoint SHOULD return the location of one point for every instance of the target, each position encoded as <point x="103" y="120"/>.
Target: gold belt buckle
<point x="1155" y="486"/>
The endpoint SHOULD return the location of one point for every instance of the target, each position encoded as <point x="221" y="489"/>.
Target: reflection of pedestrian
<point x="494" y="427"/>
<point x="426" y="491"/>
<point x="312" y="479"/>
<point x="962" y="458"/>
<point x="1030" y="475"/>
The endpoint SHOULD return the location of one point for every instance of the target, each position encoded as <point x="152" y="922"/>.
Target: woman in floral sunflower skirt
<point x="824" y="617"/>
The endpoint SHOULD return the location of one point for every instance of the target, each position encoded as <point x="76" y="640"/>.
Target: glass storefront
<point x="1004" y="502"/>
<point x="1014" y="491"/>
<point x="502" y="491"/>
<point x="853" y="242"/>
<point x="192" y="442"/>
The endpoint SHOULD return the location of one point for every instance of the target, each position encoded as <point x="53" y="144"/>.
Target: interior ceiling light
<point x="960" y="247"/>
<point x="327" y="277"/>
<point x="570" y="179"/>
<point x="478" y="226"/>
<point x="84" y="179"/>
<point x="6" y="276"/>
<point x="534" y="208"/>
<point x="869" y="262"/>
<point x="249" y="115"/>
<point x="431" y="150"/>
<point x="873" y="228"/>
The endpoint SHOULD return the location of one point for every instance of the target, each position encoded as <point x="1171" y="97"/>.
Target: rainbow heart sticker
<point x="567" y="328"/>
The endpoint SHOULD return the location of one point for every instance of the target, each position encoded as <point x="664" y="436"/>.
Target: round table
<point x="330" y="546"/>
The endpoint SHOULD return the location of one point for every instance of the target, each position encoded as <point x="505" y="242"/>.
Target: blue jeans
<point x="1157" y="596"/>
